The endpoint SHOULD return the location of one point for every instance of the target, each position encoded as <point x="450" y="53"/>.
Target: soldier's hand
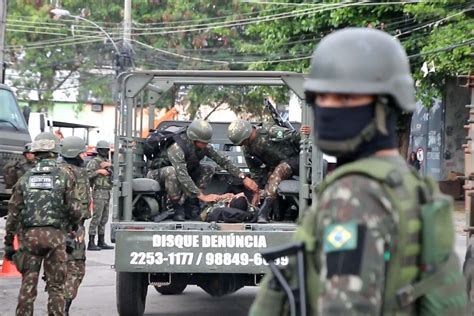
<point x="305" y="130"/>
<point x="227" y="196"/>
<point x="105" y="164"/>
<point x="250" y="184"/>
<point x="102" y="172"/>
<point x="208" y="198"/>
<point x="255" y="198"/>
<point x="9" y="252"/>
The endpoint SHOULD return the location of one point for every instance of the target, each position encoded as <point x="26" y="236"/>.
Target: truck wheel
<point x="131" y="290"/>
<point x="172" y="289"/>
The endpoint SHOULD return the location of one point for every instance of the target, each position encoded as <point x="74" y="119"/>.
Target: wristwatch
<point x="242" y="176"/>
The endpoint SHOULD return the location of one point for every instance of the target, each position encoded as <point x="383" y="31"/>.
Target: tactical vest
<point x="423" y="275"/>
<point x="101" y="182"/>
<point x="82" y="188"/>
<point x="43" y="189"/>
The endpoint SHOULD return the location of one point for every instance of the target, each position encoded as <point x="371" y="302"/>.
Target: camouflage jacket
<point x="100" y="184"/>
<point x="21" y="210"/>
<point x="185" y="164"/>
<point x="273" y="145"/>
<point x="14" y="171"/>
<point x="83" y="188"/>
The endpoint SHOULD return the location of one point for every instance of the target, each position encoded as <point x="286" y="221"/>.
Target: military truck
<point x="13" y="138"/>
<point x="218" y="257"/>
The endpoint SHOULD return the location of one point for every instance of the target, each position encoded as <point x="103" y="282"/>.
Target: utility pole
<point x="3" y="18"/>
<point x="125" y="60"/>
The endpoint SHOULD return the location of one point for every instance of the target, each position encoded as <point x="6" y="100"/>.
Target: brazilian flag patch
<point x="338" y="237"/>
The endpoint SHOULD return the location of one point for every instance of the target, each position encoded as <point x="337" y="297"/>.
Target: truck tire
<point x="172" y="289"/>
<point x="131" y="290"/>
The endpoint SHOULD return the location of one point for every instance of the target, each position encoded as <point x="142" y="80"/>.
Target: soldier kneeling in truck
<point x="178" y="169"/>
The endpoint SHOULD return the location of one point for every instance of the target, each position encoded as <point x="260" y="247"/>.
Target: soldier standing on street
<point x="365" y="254"/>
<point x="179" y="169"/>
<point x="99" y="169"/>
<point x="73" y="150"/>
<point x="275" y="147"/>
<point x="44" y="203"/>
<point x="14" y="171"/>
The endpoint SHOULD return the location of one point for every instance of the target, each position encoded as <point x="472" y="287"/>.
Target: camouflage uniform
<point x="179" y="171"/>
<point x="42" y="216"/>
<point x="101" y="186"/>
<point x="278" y="149"/>
<point x="14" y="171"/>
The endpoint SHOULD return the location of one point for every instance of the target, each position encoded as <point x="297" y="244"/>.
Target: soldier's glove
<point x="9" y="252"/>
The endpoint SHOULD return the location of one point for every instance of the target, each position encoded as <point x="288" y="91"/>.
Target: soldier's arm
<point x="177" y="159"/>
<point x="71" y="198"/>
<point x="92" y="167"/>
<point x="357" y="229"/>
<point x="278" y="133"/>
<point x="222" y="161"/>
<point x="256" y="173"/>
<point x="15" y="206"/>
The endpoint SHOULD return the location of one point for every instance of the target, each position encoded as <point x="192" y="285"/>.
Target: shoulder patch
<point x="339" y="237"/>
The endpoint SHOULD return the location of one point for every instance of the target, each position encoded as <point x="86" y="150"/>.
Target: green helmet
<point x="48" y="136"/>
<point x="27" y="148"/>
<point x="361" y="61"/>
<point x="239" y="131"/>
<point x="72" y="146"/>
<point x="199" y="130"/>
<point x="102" y="144"/>
<point x="44" y="145"/>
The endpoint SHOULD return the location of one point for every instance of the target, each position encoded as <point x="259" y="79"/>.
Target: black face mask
<point x="343" y="125"/>
<point x="76" y="161"/>
<point x="104" y="153"/>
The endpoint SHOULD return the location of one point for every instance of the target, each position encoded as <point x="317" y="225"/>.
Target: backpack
<point x="436" y="285"/>
<point x="160" y="140"/>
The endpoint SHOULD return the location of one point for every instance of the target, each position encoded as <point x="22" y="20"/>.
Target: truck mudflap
<point x="193" y="247"/>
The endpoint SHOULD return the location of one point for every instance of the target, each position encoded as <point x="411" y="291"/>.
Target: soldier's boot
<point x="192" y="208"/>
<point x="67" y="306"/>
<point x="102" y="244"/>
<point x="178" y="212"/>
<point x="92" y="246"/>
<point x="265" y="210"/>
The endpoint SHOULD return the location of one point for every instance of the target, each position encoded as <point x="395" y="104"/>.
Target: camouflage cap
<point x="44" y="145"/>
<point x="199" y="130"/>
<point x="72" y="146"/>
<point x="239" y="131"/>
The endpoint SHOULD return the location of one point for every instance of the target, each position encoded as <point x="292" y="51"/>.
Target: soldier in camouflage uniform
<point x="179" y="169"/>
<point x="99" y="169"/>
<point x="14" y="171"/>
<point x="230" y="209"/>
<point x="73" y="150"/>
<point x="357" y="259"/>
<point x="268" y="150"/>
<point x="44" y="203"/>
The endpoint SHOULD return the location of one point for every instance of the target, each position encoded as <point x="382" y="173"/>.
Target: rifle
<point x="276" y="115"/>
<point x="296" y="296"/>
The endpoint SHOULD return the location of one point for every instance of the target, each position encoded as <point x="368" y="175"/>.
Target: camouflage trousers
<point x="100" y="216"/>
<point x="281" y="172"/>
<point x="168" y="178"/>
<point x="76" y="269"/>
<point x="45" y="245"/>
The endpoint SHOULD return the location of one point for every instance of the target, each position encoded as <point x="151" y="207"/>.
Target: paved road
<point x="97" y="293"/>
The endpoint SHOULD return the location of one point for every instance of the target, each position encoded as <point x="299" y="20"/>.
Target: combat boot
<point x="102" y="244"/>
<point x="178" y="212"/>
<point x="67" y="306"/>
<point x="265" y="210"/>
<point x="92" y="246"/>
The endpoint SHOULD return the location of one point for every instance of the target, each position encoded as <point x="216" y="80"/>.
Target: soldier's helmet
<point x="102" y="144"/>
<point x="72" y="146"/>
<point x="48" y="136"/>
<point x="27" y="148"/>
<point x="44" y="145"/>
<point x="239" y="131"/>
<point x="199" y="130"/>
<point x="376" y="63"/>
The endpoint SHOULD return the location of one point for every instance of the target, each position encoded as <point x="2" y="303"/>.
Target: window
<point x="10" y="115"/>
